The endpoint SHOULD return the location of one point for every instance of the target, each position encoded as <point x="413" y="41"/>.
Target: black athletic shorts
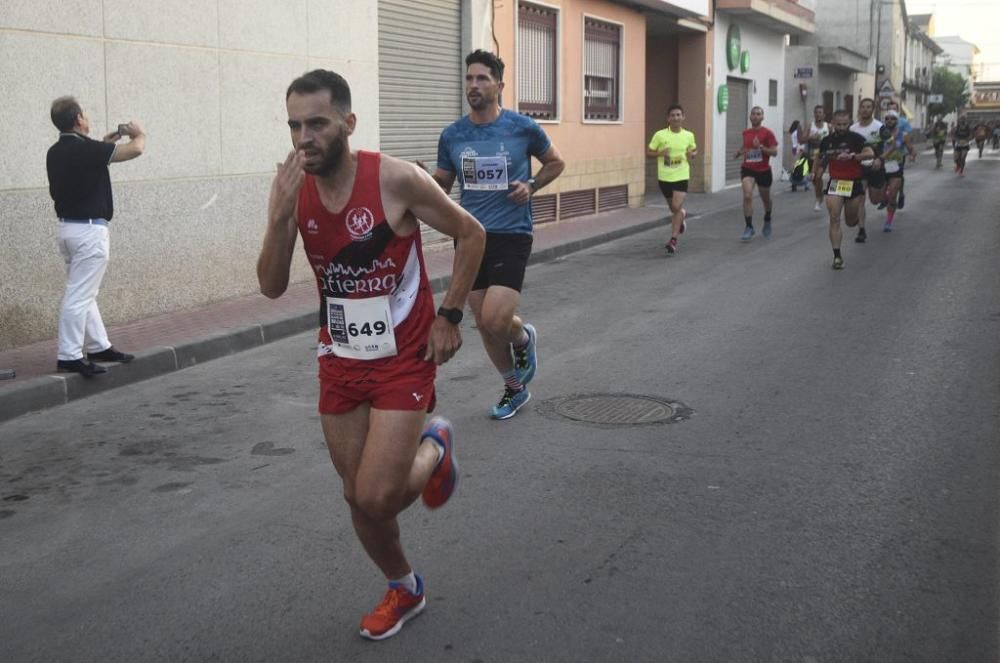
<point x="504" y="261"/>
<point x="874" y="178"/>
<point x="668" y="188"/>
<point x="763" y="178"/>
<point x="857" y="190"/>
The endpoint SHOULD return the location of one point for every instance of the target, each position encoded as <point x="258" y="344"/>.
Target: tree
<point x="953" y="87"/>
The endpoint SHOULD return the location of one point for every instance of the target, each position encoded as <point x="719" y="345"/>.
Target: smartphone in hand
<point x="123" y="130"/>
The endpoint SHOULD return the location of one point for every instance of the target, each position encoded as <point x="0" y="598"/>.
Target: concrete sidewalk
<point x="177" y="340"/>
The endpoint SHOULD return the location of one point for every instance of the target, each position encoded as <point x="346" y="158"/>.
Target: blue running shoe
<point x="526" y="358"/>
<point x="747" y="234"/>
<point x="510" y="403"/>
<point x="767" y="229"/>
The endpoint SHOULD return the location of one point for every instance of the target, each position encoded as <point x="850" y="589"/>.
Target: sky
<point x="977" y="21"/>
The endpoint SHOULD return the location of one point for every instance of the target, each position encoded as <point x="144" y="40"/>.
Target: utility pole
<point x="878" y="42"/>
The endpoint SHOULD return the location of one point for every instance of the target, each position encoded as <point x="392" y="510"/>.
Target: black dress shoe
<point x="85" y="368"/>
<point x="110" y="355"/>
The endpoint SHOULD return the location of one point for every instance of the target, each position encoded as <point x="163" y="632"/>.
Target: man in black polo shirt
<point x="81" y="188"/>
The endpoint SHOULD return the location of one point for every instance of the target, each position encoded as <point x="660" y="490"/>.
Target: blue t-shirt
<point x="486" y="158"/>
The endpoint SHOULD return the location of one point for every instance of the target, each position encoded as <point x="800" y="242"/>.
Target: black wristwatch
<point x="452" y="315"/>
<point x="532" y="185"/>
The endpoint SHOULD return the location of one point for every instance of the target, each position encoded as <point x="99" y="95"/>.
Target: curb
<point x="48" y="391"/>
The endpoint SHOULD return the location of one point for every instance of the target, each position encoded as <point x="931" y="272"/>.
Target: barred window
<point x="601" y="70"/>
<point x="536" y="61"/>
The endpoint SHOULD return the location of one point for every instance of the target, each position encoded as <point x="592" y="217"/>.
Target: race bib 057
<point x="484" y="173"/>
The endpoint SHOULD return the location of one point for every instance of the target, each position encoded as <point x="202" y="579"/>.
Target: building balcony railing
<point x="921" y="83"/>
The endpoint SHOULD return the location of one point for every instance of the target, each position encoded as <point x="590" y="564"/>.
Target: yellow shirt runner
<point x="674" y="167"/>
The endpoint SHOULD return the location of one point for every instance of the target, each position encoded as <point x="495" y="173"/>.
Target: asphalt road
<point x="831" y="497"/>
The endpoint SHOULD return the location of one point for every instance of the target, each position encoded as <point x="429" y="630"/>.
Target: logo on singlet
<point x="360" y="222"/>
<point x="312" y="227"/>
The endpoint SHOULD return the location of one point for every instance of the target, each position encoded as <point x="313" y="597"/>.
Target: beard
<point x="330" y="158"/>
<point x="478" y="103"/>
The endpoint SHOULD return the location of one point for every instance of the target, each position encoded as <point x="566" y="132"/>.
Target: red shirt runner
<point x="754" y="158"/>
<point x="356" y="255"/>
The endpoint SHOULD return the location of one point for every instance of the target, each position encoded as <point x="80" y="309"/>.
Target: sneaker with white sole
<point x="526" y="358"/>
<point x="748" y="234"/>
<point x="397" y="607"/>
<point x="510" y="403"/>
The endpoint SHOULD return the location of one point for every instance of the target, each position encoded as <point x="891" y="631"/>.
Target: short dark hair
<point x="819" y="107"/>
<point x="64" y="112"/>
<point x="869" y="100"/>
<point x="842" y="112"/>
<point x="323" y="79"/>
<point x="488" y="60"/>
<point x="757" y="108"/>
<point x="675" y="107"/>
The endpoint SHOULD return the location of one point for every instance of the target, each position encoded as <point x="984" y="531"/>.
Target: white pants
<point x="86" y="249"/>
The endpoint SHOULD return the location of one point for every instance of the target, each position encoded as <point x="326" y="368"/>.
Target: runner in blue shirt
<point x="906" y="128"/>
<point x="489" y="152"/>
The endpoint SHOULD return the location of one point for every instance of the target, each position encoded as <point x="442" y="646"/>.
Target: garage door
<point x="420" y="74"/>
<point x="420" y="77"/>
<point x="737" y="119"/>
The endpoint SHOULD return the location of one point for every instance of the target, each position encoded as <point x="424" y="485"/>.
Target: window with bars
<point x="601" y="70"/>
<point x="536" y="61"/>
<point x="772" y="92"/>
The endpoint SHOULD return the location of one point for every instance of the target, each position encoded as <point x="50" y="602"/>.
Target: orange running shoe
<point x="444" y="478"/>
<point x="397" y="607"/>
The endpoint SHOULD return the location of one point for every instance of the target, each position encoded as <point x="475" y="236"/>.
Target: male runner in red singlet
<point x="759" y="145"/>
<point x="380" y="341"/>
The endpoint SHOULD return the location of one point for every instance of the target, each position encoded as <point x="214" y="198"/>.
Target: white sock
<point x="409" y="581"/>
<point x="437" y="447"/>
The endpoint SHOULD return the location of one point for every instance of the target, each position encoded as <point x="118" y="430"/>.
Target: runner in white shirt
<point x="870" y="129"/>
<point x="818" y="130"/>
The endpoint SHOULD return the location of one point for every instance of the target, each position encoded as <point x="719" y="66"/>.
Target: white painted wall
<point x="767" y="62"/>
<point x="207" y="80"/>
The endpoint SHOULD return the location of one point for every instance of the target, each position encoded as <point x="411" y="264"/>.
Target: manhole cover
<point x="619" y="409"/>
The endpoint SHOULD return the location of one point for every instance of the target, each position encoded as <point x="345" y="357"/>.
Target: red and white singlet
<point x="376" y="305"/>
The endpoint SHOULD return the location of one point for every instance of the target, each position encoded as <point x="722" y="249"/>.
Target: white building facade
<point x="749" y="70"/>
<point x="207" y="81"/>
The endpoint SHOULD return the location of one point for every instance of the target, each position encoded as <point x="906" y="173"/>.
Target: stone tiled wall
<point x="599" y="173"/>
<point x="206" y="79"/>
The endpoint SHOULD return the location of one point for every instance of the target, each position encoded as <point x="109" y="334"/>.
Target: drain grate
<point x="619" y="409"/>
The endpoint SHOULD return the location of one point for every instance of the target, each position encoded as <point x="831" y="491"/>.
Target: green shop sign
<point x="733" y="46"/>
<point x="723" y="98"/>
<point x="745" y="62"/>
